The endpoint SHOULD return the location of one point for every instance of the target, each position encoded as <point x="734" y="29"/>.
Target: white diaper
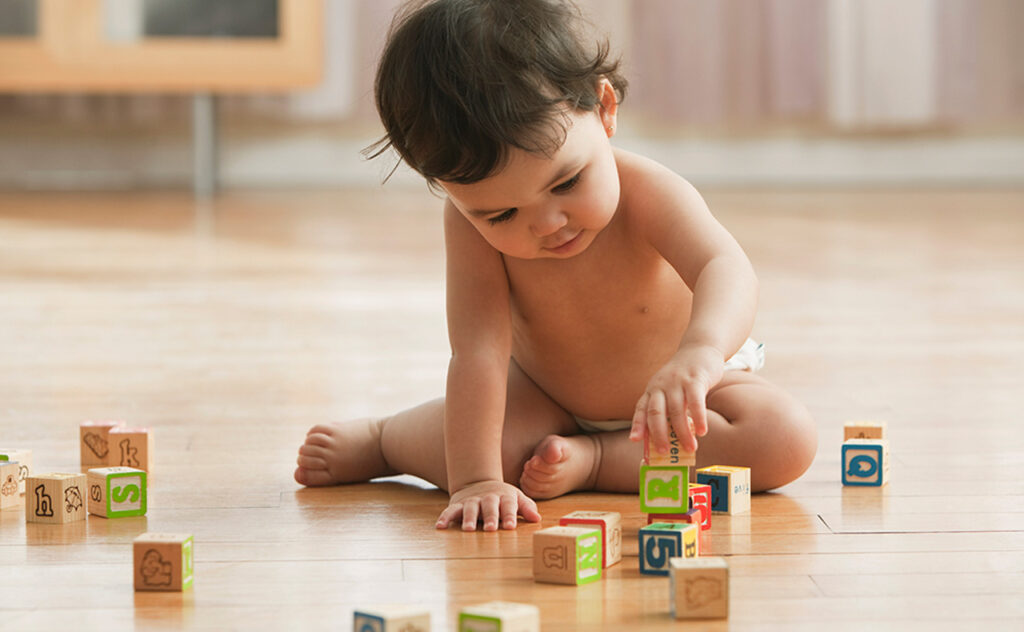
<point x="750" y="357"/>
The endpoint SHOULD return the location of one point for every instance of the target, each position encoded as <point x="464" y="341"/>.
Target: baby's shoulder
<point x="649" y="189"/>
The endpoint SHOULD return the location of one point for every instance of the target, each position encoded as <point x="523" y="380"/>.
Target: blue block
<point x="719" y="490"/>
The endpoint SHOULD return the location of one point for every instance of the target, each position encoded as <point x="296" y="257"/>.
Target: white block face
<point x="125" y="492"/>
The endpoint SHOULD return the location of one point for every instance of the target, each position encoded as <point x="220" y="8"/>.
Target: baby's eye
<point x="504" y="217"/>
<point x="568" y="184"/>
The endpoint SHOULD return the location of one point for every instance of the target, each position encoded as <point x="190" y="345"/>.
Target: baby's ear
<point x="608" y="105"/>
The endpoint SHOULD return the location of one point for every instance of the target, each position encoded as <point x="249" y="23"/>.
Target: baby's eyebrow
<point x="562" y="173"/>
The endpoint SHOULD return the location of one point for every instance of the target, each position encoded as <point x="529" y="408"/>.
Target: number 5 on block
<point x="117" y="492"/>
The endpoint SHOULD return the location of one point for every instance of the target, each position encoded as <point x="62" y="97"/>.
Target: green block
<point x="117" y="492"/>
<point x="664" y="488"/>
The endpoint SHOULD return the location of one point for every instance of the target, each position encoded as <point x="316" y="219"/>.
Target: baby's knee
<point x="795" y="443"/>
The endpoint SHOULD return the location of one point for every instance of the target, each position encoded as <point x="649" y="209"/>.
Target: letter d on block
<point x="664" y="488"/>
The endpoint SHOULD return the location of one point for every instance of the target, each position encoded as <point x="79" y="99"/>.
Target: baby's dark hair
<point x="461" y="82"/>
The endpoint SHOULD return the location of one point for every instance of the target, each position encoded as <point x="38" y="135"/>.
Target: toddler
<point x="592" y="298"/>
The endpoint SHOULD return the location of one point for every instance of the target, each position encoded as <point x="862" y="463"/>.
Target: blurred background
<point x="101" y="94"/>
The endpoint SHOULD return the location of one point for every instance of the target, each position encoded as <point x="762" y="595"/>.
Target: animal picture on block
<point x="94" y="441"/>
<point x="661" y="541"/>
<point x="675" y="456"/>
<point x="865" y="462"/>
<point x="163" y="562"/>
<point x="700" y="501"/>
<point x="610" y="524"/>
<point x="24" y="460"/>
<point x="9" y="483"/>
<point x="864" y="430"/>
<point x="117" y="492"/>
<point x="500" y="616"/>
<point x="699" y="588"/>
<point x="131" y="447"/>
<point x="55" y="498"/>
<point x="730" y="488"/>
<point x="664" y="489"/>
<point x="567" y="555"/>
<point x="391" y="618"/>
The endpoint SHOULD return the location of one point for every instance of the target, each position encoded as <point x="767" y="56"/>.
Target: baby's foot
<point x="345" y="452"/>
<point x="560" y="465"/>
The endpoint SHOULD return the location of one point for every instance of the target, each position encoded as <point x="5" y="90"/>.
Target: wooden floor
<point x="231" y="328"/>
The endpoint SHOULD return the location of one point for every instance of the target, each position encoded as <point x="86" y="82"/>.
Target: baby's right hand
<point x="488" y="501"/>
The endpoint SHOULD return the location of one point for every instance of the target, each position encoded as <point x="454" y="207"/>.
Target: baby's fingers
<point x="527" y="508"/>
<point x="449" y="515"/>
<point x="636" y="432"/>
<point x="470" y="514"/>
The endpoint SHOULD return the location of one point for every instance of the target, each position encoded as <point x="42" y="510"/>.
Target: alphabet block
<point x="117" y="492"/>
<point x="675" y="455"/>
<point x="24" y="460"/>
<point x="55" y="498"/>
<point x="10" y="473"/>
<point x="391" y="618"/>
<point x="163" y="561"/>
<point x="567" y="555"/>
<point x="661" y="541"/>
<point x="94" y="440"/>
<point x="131" y="447"/>
<point x="663" y="488"/>
<point x="730" y="488"/>
<point x="610" y="524"/>
<point x="500" y="616"/>
<point x="690" y="517"/>
<point x="864" y="430"/>
<point x="700" y="500"/>
<point x="866" y="462"/>
<point x="699" y="588"/>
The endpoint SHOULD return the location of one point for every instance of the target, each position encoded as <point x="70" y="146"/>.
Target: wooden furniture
<point x="74" y="50"/>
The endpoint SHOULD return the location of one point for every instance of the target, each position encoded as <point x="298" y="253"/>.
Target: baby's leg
<point x="750" y="422"/>
<point x="412" y="441"/>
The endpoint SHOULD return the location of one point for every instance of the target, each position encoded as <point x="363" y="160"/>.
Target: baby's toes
<point x="312" y="477"/>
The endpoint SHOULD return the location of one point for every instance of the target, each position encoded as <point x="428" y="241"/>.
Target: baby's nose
<point x="549" y="223"/>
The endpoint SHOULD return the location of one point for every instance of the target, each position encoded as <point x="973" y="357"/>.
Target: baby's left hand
<point x="678" y="390"/>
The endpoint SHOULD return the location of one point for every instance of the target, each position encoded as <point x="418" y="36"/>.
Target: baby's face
<point x="541" y="207"/>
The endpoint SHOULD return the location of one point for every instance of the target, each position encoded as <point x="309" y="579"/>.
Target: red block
<point x="700" y="498"/>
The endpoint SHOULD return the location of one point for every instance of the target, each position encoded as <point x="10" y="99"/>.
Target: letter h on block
<point x="664" y="489"/>
<point x="866" y="462"/>
<point x="661" y="541"/>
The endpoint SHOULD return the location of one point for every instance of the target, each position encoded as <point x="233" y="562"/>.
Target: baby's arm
<point x="480" y="335"/>
<point x="677" y="222"/>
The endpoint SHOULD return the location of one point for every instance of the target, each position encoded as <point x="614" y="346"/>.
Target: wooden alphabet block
<point x="700" y="500"/>
<point x="500" y="616"/>
<point x="864" y="430"/>
<point x="94" y="440"/>
<point x="131" y="447"/>
<point x="610" y="524"/>
<point x="163" y="561"/>
<point x="10" y="474"/>
<point x="664" y="488"/>
<point x="675" y="455"/>
<point x="661" y="541"/>
<point x="567" y="555"/>
<point x="55" y="498"/>
<point x="699" y="588"/>
<point x="866" y="462"/>
<point x="690" y="517"/>
<point x="391" y="618"/>
<point x="24" y="460"/>
<point x="117" y="492"/>
<point x="730" y="488"/>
